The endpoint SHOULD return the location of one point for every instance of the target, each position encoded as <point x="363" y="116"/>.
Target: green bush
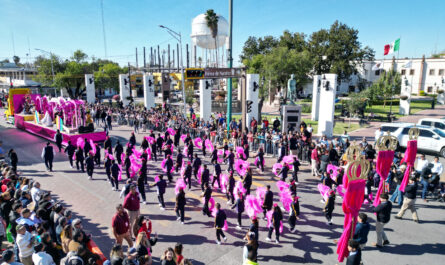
<point x="395" y="102"/>
<point x="306" y="108"/>
<point x="422" y="93"/>
<point x="306" y="100"/>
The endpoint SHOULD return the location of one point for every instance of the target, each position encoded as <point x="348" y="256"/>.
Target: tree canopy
<point x="334" y="50"/>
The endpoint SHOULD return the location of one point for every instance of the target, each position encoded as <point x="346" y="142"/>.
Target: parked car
<point x="435" y="123"/>
<point x="430" y="139"/>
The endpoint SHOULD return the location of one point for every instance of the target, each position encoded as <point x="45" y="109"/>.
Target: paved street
<point x="94" y="201"/>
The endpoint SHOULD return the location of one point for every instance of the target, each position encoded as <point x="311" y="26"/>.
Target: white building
<point x="12" y="75"/>
<point x="422" y="74"/>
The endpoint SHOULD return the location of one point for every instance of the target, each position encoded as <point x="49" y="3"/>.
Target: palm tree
<point x="212" y="23"/>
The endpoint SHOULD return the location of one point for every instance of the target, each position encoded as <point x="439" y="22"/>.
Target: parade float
<point x="43" y="116"/>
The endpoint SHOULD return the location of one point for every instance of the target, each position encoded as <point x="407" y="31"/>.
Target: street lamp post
<point x="178" y="37"/>
<point x="50" y="55"/>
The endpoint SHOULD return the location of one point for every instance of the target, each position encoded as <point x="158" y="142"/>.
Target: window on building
<point x="403" y="72"/>
<point x="429" y="89"/>
<point x="441" y="71"/>
<point x="432" y="71"/>
<point x="411" y="72"/>
<point x="377" y="72"/>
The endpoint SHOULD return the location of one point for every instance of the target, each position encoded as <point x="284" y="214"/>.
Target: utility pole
<point x="145" y="61"/>
<point x="229" y="80"/>
<point x="136" y="57"/>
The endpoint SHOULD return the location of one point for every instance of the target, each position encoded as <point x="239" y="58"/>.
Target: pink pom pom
<point x="260" y="193"/>
<point x="281" y="185"/>
<point x="224" y="182"/>
<point x="198" y="142"/>
<point x="199" y="174"/>
<point x="240" y="152"/>
<point x="324" y="191"/>
<point x="93" y="147"/>
<point x="276" y="167"/>
<point x="171" y="131"/>
<point x="150" y="139"/>
<point x="226" y="226"/>
<point x="157" y="179"/>
<point x="209" y="145"/>
<point x="179" y="184"/>
<point x="183" y="137"/>
<point x="80" y="142"/>
<point x="281" y="227"/>
<point x="120" y="173"/>
<point x="185" y="151"/>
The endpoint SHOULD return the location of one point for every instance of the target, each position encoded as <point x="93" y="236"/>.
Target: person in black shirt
<point x="108" y="164"/>
<point x="247" y="181"/>
<point x="58" y="139"/>
<point x="239" y="208"/>
<point x="294" y="213"/>
<point x="253" y="228"/>
<point x="231" y="186"/>
<point x="355" y="253"/>
<point x="89" y="162"/>
<point x="231" y="159"/>
<point x="383" y="211"/>
<point x="97" y="155"/>
<point x="207" y="194"/>
<point x="179" y="158"/>
<point x="14" y="159"/>
<point x="169" y="166"/>
<point x="132" y="140"/>
<point x="188" y="175"/>
<point x="161" y="184"/>
<point x="283" y="172"/>
<point x="48" y="155"/>
<point x="205" y="176"/>
<point x="196" y="165"/>
<point x="260" y="156"/>
<point x="216" y="175"/>
<point x="69" y="150"/>
<point x="127" y="164"/>
<point x="219" y="223"/>
<point x="118" y="150"/>
<point x="329" y="207"/>
<point x="296" y="166"/>
<point x="277" y="217"/>
<point x="190" y="151"/>
<point x="87" y="147"/>
<point x="409" y="200"/>
<point x="142" y="179"/>
<point x="268" y="201"/>
<point x="108" y="143"/>
<point x="115" y="175"/>
<point x="180" y="205"/>
<point x="79" y="159"/>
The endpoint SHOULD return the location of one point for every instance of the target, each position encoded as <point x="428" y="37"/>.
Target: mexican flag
<point x="391" y="48"/>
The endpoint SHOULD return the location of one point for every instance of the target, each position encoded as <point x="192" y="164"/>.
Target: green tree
<point x="338" y="50"/>
<point x="388" y="85"/>
<point x="16" y="59"/>
<point x="79" y="56"/>
<point x="254" y="46"/>
<point x="355" y="103"/>
<point x="44" y="71"/>
<point x="212" y="23"/>
<point x="107" y="76"/>
<point x="73" y="78"/>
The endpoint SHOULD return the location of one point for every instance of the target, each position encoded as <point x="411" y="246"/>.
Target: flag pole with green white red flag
<point x="392" y="47"/>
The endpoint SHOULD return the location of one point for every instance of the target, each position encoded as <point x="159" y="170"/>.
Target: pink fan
<point x="324" y="191"/>
<point x="93" y="147"/>
<point x="281" y="185"/>
<point x="198" y="142"/>
<point x="183" y="137"/>
<point x="240" y="152"/>
<point x="224" y="182"/>
<point x="239" y="188"/>
<point x="171" y="131"/>
<point x="209" y="145"/>
<point x="80" y="142"/>
<point x="198" y="174"/>
<point x="260" y="193"/>
<point x="276" y="167"/>
<point x="179" y="184"/>
<point x="150" y="139"/>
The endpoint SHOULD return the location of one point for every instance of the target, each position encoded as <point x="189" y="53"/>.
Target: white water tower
<point x="202" y="35"/>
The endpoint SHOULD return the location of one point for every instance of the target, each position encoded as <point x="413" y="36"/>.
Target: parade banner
<point x="410" y="155"/>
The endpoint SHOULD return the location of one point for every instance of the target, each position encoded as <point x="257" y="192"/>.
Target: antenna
<point x="103" y="27"/>
<point x="13" y="44"/>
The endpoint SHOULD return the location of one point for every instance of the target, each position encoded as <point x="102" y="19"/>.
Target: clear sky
<point x="62" y="26"/>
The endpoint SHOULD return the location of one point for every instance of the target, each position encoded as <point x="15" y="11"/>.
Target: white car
<point x="435" y="123"/>
<point x="430" y="139"/>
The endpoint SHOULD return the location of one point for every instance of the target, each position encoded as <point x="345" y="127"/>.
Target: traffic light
<point x="194" y="73"/>
<point x="249" y="105"/>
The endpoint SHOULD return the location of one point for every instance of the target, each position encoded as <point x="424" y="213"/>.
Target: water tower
<point x="210" y="47"/>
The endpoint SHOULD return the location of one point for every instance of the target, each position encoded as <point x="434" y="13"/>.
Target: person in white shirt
<point x="24" y="243"/>
<point x="421" y="163"/>
<point x="40" y="257"/>
<point x="437" y="167"/>
<point x="309" y="128"/>
<point x="378" y="133"/>
<point x="36" y="192"/>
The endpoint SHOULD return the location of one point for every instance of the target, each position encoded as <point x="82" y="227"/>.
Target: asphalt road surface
<point x="312" y="243"/>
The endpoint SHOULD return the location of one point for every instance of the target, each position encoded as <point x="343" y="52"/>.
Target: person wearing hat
<point x="24" y="242"/>
<point x="77" y="227"/>
<point x="131" y="257"/>
<point x="409" y="200"/>
<point x="329" y="206"/>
